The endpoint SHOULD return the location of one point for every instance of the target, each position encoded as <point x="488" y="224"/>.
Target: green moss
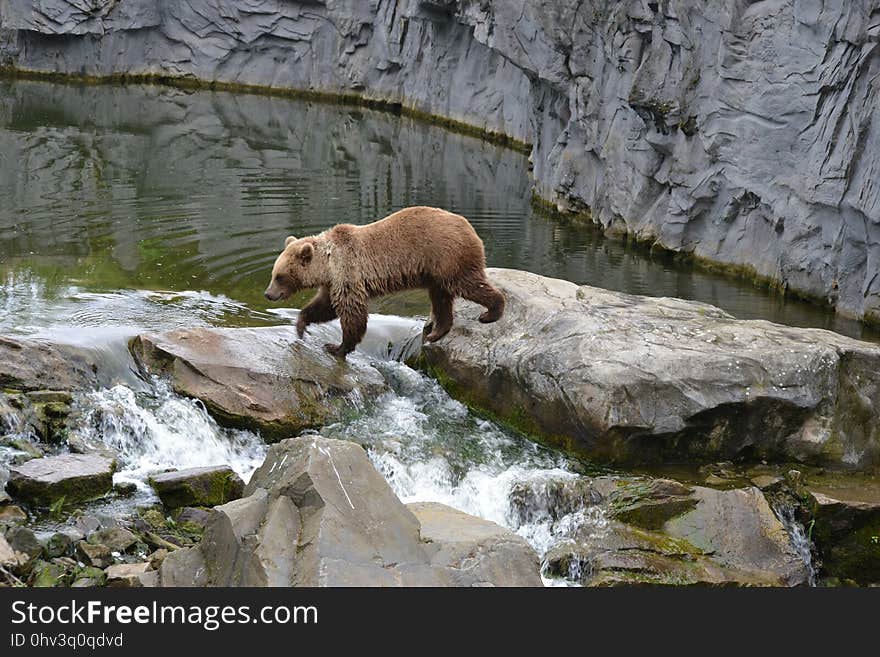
<point x="204" y="489"/>
<point x="91" y="572"/>
<point x="53" y="415"/>
<point x="849" y="552"/>
<point x="46" y="575"/>
<point x="639" y="504"/>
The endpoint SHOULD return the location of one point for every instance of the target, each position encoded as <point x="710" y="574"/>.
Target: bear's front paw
<point x="301" y="327"/>
<point x="435" y="335"/>
<point x="335" y="350"/>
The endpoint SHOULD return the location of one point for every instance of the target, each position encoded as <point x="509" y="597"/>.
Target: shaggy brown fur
<point x="417" y="247"/>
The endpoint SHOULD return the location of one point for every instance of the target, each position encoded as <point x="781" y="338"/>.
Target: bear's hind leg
<point x="441" y="314"/>
<point x="479" y="290"/>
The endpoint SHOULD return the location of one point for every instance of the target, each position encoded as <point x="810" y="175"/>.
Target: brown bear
<point x="417" y="247"/>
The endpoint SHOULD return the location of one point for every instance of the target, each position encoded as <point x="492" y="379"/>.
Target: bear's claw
<point x="335" y="350"/>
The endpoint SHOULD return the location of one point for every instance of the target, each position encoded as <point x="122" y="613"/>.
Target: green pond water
<point x="152" y="207"/>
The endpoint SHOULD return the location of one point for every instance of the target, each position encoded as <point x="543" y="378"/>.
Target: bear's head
<point x="299" y="266"/>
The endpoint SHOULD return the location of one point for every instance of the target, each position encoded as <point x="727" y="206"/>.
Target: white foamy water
<point x="799" y="538"/>
<point x="155" y="429"/>
<point x="430" y="448"/>
<point x="427" y="445"/>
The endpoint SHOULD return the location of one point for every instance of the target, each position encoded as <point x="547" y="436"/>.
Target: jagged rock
<point x="630" y="379"/>
<point x="62" y="543"/>
<point x="40" y="414"/>
<point x="89" y="576"/>
<point x="47" y="574"/>
<point x="687" y="139"/>
<point x="130" y="575"/>
<point x="265" y="379"/>
<point x="4" y="477"/>
<point x="78" y="444"/>
<point x="766" y="481"/>
<point x="125" y="488"/>
<point x="740" y="530"/>
<point x="25" y="543"/>
<point x="207" y="486"/>
<point x="85" y="582"/>
<point x="194" y="518"/>
<point x="74" y="477"/>
<point x="846" y="531"/>
<point x="472" y="552"/>
<point x="553" y="497"/>
<point x="88" y="523"/>
<point x="118" y="539"/>
<point x="659" y="531"/>
<point x="29" y="450"/>
<point x="10" y="559"/>
<point x="156" y="558"/>
<point x="184" y="568"/>
<point x="317" y="513"/>
<point x="97" y="555"/>
<point x="12" y="515"/>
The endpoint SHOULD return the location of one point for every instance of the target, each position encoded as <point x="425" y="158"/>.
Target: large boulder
<point x="631" y="379"/>
<point x="624" y="555"/>
<point x="619" y="530"/>
<point x="741" y="532"/>
<point x="31" y="365"/>
<point x="471" y="551"/>
<point x="207" y="486"/>
<point x="265" y="379"/>
<point x="846" y="530"/>
<point x="73" y="477"/>
<point x="317" y="513"/>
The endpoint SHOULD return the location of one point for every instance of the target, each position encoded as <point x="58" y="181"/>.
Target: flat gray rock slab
<point x="207" y="486"/>
<point x="74" y="477"/>
<point x="633" y="379"/>
<point x="265" y="379"/>
<point x="31" y="365"/>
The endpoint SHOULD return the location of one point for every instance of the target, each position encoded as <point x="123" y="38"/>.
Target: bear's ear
<point x="290" y="238"/>
<point x="305" y="253"/>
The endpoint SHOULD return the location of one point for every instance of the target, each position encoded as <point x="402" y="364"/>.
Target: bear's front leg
<point x="351" y="306"/>
<point x="319" y="309"/>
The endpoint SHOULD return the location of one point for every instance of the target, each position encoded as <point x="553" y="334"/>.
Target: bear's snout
<point x="273" y="295"/>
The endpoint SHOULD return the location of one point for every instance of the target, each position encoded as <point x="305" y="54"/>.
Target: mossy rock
<point x="46" y="574"/>
<point x="650" y="504"/>
<point x="197" y="487"/>
<point x="69" y="477"/>
<point x="97" y="575"/>
<point x="53" y="417"/>
<point x="847" y="535"/>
